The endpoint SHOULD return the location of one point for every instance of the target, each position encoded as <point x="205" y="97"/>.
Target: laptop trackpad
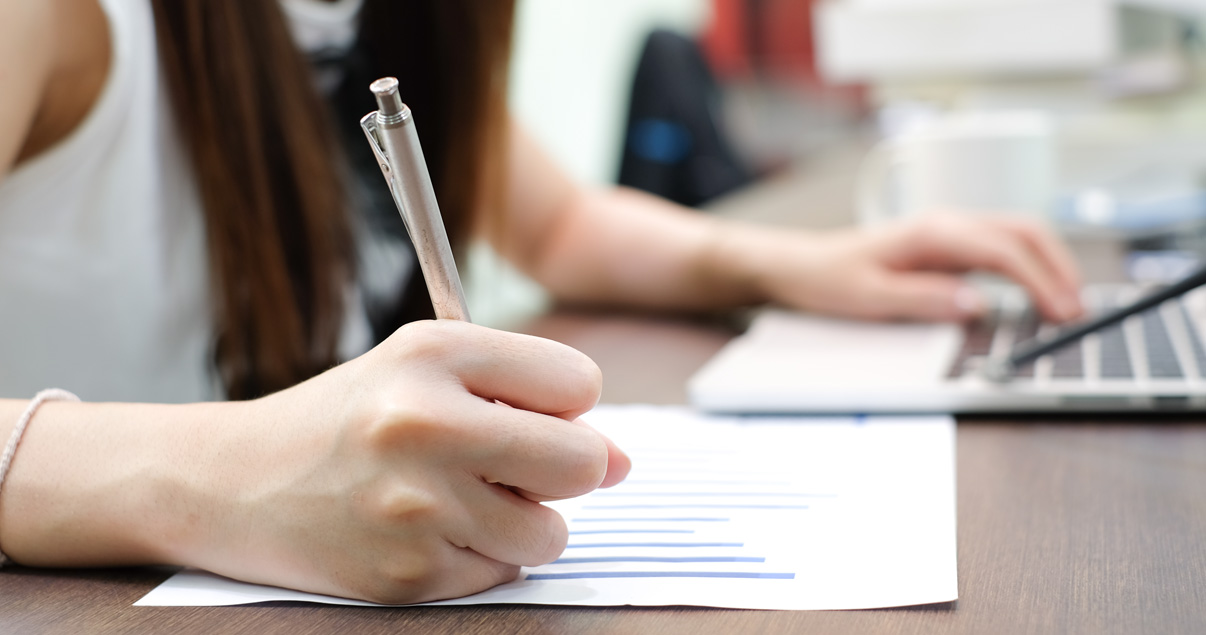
<point x="790" y="349"/>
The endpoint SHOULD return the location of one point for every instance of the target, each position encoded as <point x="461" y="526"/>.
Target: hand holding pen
<point x="454" y="432"/>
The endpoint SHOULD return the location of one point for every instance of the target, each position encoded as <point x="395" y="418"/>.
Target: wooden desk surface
<point x="1066" y="525"/>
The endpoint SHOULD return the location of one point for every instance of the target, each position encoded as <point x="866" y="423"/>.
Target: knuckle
<point x="399" y="425"/>
<point x="409" y="507"/>
<point x="424" y="339"/>
<point x="410" y="572"/>
<point x="426" y="575"/>
<point x="406" y="579"/>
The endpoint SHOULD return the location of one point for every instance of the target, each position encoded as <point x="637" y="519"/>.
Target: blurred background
<point x="703" y="101"/>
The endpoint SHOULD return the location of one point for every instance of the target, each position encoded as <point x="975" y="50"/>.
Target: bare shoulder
<point x="54" y="58"/>
<point x="26" y="33"/>
<point x="20" y="16"/>
<point x="26" y="59"/>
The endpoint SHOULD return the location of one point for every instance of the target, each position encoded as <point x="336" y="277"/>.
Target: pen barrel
<point x="417" y="203"/>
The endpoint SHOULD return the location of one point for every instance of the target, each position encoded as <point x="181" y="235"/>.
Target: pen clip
<point x="368" y="124"/>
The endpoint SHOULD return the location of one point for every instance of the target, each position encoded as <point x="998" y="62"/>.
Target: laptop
<point x="799" y="363"/>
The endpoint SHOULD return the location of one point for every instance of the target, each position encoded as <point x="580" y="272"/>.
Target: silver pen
<point x="391" y="133"/>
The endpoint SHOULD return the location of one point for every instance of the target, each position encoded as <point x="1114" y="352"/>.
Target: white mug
<point x="974" y="162"/>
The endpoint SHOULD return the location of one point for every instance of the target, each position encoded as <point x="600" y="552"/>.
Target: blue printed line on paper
<point x="608" y="545"/>
<point x="694" y="506"/>
<point x="651" y="520"/>
<point x="669" y="450"/>
<point x="621" y="494"/>
<point x="579" y="575"/>
<point x="683" y="481"/>
<point x="685" y="458"/>
<point x="659" y="559"/>
<point x="631" y="531"/>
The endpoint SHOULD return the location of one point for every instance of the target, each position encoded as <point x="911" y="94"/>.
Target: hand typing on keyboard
<point x="913" y="270"/>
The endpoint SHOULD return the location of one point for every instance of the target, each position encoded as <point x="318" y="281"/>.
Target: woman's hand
<point x="911" y="270"/>
<point x="409" y="474"/>
<point x="412" y="473"/>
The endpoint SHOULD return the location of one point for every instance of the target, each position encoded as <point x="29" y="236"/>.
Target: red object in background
<point x="772" y="38"/>
<point x="724" y="40"/>
<point x="787" y="49"/>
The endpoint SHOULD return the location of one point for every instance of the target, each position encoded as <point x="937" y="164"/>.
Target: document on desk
<point x="740" y="512"/>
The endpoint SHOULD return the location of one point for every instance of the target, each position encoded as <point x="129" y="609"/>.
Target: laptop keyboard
<point x="1160" y="344"/>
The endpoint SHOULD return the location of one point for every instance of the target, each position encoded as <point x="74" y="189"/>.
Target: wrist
<point x="192" y="489"/>
<point x="109" y="484"/>
<point x="754" y="259"/>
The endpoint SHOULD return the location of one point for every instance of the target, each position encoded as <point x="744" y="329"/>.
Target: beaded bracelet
<point x="50" y="394"/>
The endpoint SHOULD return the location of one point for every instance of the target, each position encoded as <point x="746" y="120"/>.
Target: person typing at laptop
<point x="202" y="252"/>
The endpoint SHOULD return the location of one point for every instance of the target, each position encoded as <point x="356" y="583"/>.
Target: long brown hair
<point x="279" y="231"/>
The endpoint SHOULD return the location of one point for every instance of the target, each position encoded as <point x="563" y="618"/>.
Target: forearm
<point x="109" y="484"/>
<point x="624" y="247"/>
<point x="627" y="247"/>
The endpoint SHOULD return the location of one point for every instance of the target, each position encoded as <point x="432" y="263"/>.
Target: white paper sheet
<point x="740" y="512"/>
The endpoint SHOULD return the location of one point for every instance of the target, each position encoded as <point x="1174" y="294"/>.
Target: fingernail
<point x="969" y="301"/>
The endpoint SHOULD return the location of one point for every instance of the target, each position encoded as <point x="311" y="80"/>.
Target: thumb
<point x="929" y="296"/>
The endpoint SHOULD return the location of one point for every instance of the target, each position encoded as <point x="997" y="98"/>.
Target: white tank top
<point x="103" y="271"/>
